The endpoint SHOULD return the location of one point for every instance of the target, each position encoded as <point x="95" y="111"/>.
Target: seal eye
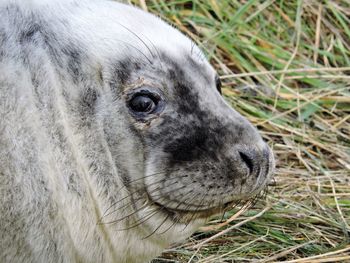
<point x="142" y="103"/>
<point x="218" y="84"/>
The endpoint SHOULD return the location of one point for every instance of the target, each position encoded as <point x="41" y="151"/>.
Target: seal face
<point x="199" y="154"/>
<point x="115" y="139"/>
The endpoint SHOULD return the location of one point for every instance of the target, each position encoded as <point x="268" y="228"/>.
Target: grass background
<point x="285" y="65"/>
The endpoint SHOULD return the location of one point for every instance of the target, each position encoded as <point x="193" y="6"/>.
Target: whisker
<point x="194" y="213"/>
<point x="153" y="174"/>
<point x="166" y="230"/>
<point x="137" y="190"/>
<point x="137" y="49"/>
<point x="157" y="210"/>
<point x="129" y="184"/>
<point x="158" y="53"/>
<point x="139" y="209"/>
<point x="175" y="221"/>
<point x="155" y="230"/>
<point x="143" y="42"/>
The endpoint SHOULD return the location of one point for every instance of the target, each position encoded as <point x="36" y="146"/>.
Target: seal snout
<point x="253" y="161"/>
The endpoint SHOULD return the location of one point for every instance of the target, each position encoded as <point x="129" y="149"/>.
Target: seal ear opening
<point x="218" y="84"/>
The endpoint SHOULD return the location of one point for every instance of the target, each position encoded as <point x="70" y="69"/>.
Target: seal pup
<point x="114" y="139"/>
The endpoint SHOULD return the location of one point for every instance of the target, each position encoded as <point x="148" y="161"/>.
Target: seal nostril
<point x="247" y="160"/>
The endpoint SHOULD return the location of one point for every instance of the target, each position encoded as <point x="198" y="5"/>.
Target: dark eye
<point x="218" y="84"/>
<point x="142" y="103"/>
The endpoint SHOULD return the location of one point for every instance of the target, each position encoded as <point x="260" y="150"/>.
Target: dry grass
<point x="285" y="65"/>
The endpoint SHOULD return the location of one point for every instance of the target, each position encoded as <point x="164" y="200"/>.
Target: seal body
<point x="114" y="140"/>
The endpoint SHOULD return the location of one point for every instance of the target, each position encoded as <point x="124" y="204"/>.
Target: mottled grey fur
<point x="83" y="178"/>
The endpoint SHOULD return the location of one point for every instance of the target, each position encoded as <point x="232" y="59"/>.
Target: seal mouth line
<point x="184" y="210"/>
<point x="199" y="213"/>
<point x="176" y="213"/>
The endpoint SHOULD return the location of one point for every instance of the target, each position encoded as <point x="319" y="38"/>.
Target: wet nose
<point x="255" y="161"/>
<point x="248" y="160"/>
